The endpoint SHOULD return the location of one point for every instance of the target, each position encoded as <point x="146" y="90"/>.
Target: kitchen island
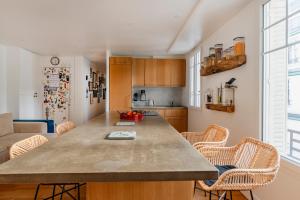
<point x="158" y="164"/>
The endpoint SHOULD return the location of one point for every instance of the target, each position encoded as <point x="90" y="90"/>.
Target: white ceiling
<point x="132" y="27"/>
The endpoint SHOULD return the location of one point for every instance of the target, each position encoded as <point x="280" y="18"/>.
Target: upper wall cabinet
<point x="178" y="73"/>
<point x="138" y="72"/>
<point x="165" y="72"/>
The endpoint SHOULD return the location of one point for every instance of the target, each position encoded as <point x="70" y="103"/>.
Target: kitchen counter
<point x="158" y="153"/>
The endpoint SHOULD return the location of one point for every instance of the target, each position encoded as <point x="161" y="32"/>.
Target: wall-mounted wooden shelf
<point x="224" y="65"/>
<point x="221" y="107"/>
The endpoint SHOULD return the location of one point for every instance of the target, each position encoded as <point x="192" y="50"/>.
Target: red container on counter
<point x="132" y="116"/>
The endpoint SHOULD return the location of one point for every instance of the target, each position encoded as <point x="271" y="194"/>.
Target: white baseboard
<point x="247" y="195"/>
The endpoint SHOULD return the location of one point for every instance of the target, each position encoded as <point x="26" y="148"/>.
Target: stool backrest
<point x="253" y="153"/>
<point x="26" y="145"/>
<point x="65" y="127"/>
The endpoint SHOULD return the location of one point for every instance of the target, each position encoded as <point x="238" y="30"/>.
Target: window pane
<point x="294" y="5"/>
<point x="274" y="11"/>
<point x="274" y="37"/>
<point x="197" y="84"/>
<point x="276" y="96"/>
<point x="294" y="57"/>
<point x="198" y="58"/>
<point x="192" y="61"/>
<point x="192" y="97"/>
<point x="294" y="28"/>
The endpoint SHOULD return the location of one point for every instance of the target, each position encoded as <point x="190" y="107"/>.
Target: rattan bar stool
<point x="244" y="167"/>
<point x="214" y="135"/>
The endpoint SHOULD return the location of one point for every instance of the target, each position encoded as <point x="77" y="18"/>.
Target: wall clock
<point x="54" y="60"/>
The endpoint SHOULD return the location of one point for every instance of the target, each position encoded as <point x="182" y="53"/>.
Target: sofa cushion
<point x="6" y="124"/>
<point x="221" y="169"/>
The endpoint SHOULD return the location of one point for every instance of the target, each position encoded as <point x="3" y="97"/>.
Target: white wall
<point x="245" y="121"/>
<point x="21" y="76"/>
<point x="80" y="108"/>
<point x="3" y="90"/>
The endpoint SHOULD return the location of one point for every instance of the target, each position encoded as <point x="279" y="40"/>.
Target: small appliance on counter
<point x="143" y="95"/>
<point x="151" y="102"/>
<point x="135" y="96"/>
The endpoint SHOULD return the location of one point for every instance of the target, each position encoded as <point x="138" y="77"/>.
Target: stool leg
<point x="209" y="195"/>
<point x="251" y="194"/>
<point x="37" y="192"/>
<point x="230" y="195"/>
<point x="62" y="192"/>
<point x="78" y="190"/>
<point x="53" y="192"/>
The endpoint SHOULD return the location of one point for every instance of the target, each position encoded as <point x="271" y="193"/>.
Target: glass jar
<point x="205" y="62"/>
<point x="211" y="51"/>
<point x="231" y="52"/>
<point x="226" y="54"/>
<point x="219" y="51"/>
<point x="239" y="46"/>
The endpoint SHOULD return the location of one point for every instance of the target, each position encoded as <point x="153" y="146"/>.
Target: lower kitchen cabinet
<point x="177" y="117"/>
<point x="179" y="123"/>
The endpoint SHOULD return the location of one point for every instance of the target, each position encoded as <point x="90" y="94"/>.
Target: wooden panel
<point x="164" y="68"/>
<point x="138" y="72"/>
<point x="26" y="192"/>
<point x="179" y="123"/>
<point x="179" y="190"/>
<point x="178" y="72"/>
<point x="120" y="60"/>
<point x="161" y="113"/>
<point x="150" y="72"/>
<point x="178" y="118"/>
<point x="176" y="112"/>
<point x="120" y="87"/>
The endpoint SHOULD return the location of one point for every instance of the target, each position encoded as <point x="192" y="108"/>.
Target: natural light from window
<point x="194" y="74"/>
<point x="281" y="47"/>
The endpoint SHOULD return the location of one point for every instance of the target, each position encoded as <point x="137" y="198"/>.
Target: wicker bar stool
<point x="65" y="127"/>
<point x="28" y="144"/>
<point x="214" y="135"/>
<point x="244" y="167"/>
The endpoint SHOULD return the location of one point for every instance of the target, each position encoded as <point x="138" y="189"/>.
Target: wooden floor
<point x="26" y="192"/>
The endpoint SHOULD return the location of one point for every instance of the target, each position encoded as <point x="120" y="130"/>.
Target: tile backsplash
<point x="161" y="96"/>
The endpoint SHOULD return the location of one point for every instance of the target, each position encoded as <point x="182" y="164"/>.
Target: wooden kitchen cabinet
<point x="165" y="72"/>
<point x="178" y="123"/>
<point x="161" y="113"/>
<point x="120" y="80"/>
<point x="138" y="72"/>
<point x="151" y="78"/>
<point x="178" y="72"/>
<point x="178" y="118"/>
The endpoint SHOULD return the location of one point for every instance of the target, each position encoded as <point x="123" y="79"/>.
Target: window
<point x="194" y="77"/>
<point x="281" y="65"/>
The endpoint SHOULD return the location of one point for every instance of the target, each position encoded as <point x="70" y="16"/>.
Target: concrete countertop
<point x="159" y="153"/>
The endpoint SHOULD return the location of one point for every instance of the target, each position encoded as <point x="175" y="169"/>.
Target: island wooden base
<point x="175" y="190"/>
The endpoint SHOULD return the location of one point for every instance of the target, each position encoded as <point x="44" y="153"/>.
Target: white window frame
<point x="265" y="82"/>
<point x="195" y="79"/>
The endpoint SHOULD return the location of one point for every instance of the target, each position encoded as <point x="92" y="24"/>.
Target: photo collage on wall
<point x="96" y="85"/>
<point x="56" y="104"/>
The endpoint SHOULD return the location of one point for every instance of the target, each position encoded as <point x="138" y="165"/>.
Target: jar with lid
<point x="231" y="52"/>
<point x="212" y="52"/>
<point x="239" y="46"/>
<point x="205" y="62"/>
<point x="218" y="51"/>
<point x="226" y="54"/>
